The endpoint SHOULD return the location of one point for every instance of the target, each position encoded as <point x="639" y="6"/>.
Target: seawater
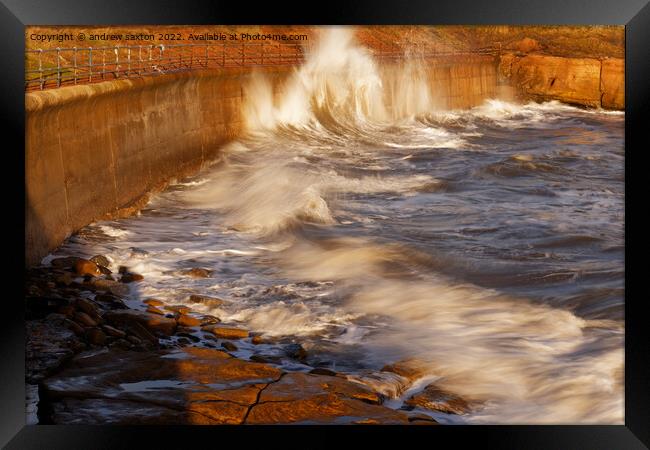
<point x="360" y="220"/>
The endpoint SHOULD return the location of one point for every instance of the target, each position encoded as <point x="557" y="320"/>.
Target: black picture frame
<point x="16" y="14"/>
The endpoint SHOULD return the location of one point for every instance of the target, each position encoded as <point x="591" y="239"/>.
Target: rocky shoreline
<point x="95" y="360"/>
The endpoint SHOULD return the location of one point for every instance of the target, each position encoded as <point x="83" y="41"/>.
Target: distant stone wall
<point x="580" y="81"/>
<point x="95" y="151"/>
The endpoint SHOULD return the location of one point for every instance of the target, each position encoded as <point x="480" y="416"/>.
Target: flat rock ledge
<point x="202" y="387"/>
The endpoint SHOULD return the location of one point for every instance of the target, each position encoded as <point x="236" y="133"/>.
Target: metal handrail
<point x="52" y="68"/>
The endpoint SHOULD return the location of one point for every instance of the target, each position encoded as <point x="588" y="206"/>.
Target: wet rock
<point x="84" y="319"/>
<point x="114" y="287"/>
<point x="95" y="336"/>
<point x="85" y="267"/>
<point x="189" y="336"/>
<point x="183" y="341"/>
<point x="105" y="271"/>
<point x="197" y="272"/>
<point x="74" y="327"/>
<point x="131" y="277"/>
<point x="66" y="310"/>
<point x="422" y="419"/>
<point x="229" y="346"/>
<point x="226" y="332"/>
<point x="410" y="369"/>
<point x="323" y="371"/>
<point x="209" y="320"/>
<point x="296" y="351"/>
<point x="436" y="399"/>
<point x="66" y="262"/>
<point x="154" y="310"/>
<point x="266" y="359"/>
<point x="89" y="308"/>
<point x="152" y="322"/>
<point x="121" y="344"/>
<point x="65" y="279"/>
<point x="310" y="399"/>
<point x="122" y="270"/>
<point x="101" y="260"/>
<point x="111" y="331"/>
<point x="153" y="302"/>
<point x="115" y="388"/>
<point x="134" y="339"/>
<point x="110" y="301"/>
<point x="212" y="302"/>
<point x="47" y="347"/>
<point x="257" y="340"/>
<point x="181" y="309"/>
<point x="40" y="307"/>
<point x="188" y="321"/>
<point x="388" y="384"/>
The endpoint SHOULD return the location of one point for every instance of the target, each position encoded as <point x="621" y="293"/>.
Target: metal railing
<point x="53" y="68"/>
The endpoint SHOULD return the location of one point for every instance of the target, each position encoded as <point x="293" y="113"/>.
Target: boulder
<point x="229" y="346"/>
<point x="114" y="287"/>
<point x="295" y="351"/>
<point x="84" y="319"/>
<point x="181" y="309"/>
<point x="101" y="260"/>
<point x="188" y="321"/>
<point x="131" y="277"/>
<point x="225" y="332"/>
<point x="436" y="399"/>
<point x="89" y="308"/>
<point x="95" y="336"/>
<point x="152" y="322"/>
<point x="207" y="319"/>
<point x="205" y="300"/>
<point x="85" y="267"/>
<point x="197" y="272"/>
<point x="153" y="302"/>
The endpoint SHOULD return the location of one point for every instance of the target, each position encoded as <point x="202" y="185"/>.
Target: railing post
<point x="58" y="67"/>
<point x="90" y="64"/>
<point x="40" y="67"/>
<point x="74" y="63"/>
<point x="117" y="61"/>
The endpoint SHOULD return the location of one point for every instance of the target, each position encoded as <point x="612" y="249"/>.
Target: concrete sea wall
<point x="95" y="151"/>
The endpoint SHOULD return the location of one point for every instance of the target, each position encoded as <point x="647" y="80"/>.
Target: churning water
<point x="358" y="218"/>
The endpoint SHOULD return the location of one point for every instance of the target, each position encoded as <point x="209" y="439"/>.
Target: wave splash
<point x="525" y="362"/>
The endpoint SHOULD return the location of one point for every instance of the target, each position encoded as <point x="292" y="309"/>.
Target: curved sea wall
<point x="95" y="151"/>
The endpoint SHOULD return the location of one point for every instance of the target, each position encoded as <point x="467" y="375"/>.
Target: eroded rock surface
<point x="201" y="386"/>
